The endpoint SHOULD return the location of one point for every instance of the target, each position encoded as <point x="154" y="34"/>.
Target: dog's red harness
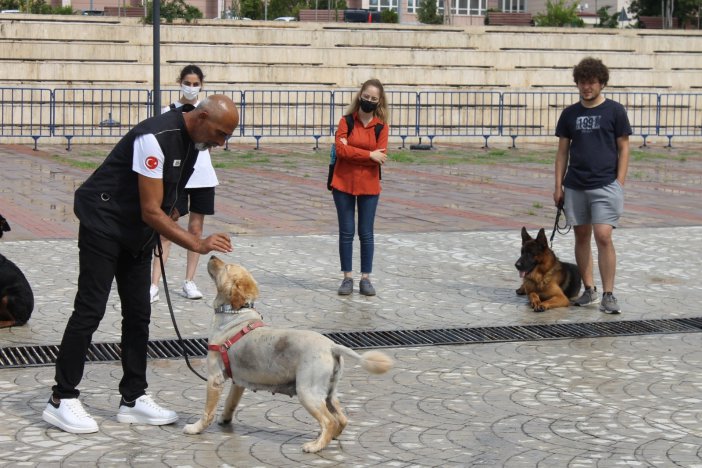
<point x="223" y="348"/>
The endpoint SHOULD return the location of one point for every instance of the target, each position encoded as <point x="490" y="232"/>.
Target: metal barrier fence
<point x="100" y="113"/>
<point x="26" y="112"/>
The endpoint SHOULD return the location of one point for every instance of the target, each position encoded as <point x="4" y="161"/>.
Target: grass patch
<point x="89" y="165"/>
<point x="233" y="160"/>
<point x="641" y="155"/>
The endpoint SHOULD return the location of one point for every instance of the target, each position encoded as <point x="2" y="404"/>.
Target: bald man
<point x="122" y="207"/>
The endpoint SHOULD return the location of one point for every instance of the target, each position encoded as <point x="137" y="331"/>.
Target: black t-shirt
<point x="593" y="134"/>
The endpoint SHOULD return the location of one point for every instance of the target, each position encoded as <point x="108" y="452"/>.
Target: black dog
<point x="4" y="226"/>
<point x="16" y="297"/>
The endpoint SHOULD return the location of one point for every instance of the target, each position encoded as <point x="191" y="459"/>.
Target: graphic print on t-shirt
<point x="151" y="162"/>
<point x="588" y="123"/>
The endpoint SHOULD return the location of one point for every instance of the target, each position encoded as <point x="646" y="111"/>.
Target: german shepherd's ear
<point x="525" y="236"/>
<point x="541" y="237"/>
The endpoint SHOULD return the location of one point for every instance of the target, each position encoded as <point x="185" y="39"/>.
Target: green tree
<point x="388" y="16"/>
<point x="605" y="20"/>
<point x="428" y="14"/>
<point x="173" y="9"/>
<point x="278" y="8"/>
<point x="560" y="14"/>
<point x="252" y="9"/>
<point x="686" y="11"/>
<point x="9" y="5"/>
<point x="326" y="4"/>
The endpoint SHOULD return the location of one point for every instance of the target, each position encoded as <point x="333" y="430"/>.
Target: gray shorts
<point x="598" y="206"/>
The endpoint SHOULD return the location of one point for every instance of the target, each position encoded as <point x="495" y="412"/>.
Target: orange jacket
<point x="355" y="172"/>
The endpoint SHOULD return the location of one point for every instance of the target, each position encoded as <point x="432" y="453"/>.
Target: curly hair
<point x="589" y="69"/>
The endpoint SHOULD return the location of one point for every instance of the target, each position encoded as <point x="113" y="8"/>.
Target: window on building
<point x="514" y="6"/>
<point x="380" y="5"/>
<point x="458" y="7"/>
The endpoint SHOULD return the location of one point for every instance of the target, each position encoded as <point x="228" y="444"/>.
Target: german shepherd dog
<point x="548" y="282"/>
<point x="16" y="297"/>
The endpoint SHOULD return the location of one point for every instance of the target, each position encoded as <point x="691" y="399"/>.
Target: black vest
<point x="108" y="201"/>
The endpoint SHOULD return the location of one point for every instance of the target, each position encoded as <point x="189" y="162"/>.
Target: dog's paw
<point x="539" y="308"/>
<point x="520" y="291"/>
<point x="312" y="447"/>
<point x="192" y="429"/>
<point x="222" y="421"/>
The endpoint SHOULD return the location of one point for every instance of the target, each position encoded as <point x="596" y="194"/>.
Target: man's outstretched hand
<point x="219" y="242"/>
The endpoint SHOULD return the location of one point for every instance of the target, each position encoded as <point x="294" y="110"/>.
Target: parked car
<point x="362" y="16"/>
<point x="285" y="18"/>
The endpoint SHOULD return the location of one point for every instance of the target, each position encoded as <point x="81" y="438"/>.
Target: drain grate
<point x="26" y="356"/>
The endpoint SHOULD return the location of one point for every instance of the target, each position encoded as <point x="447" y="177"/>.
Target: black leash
<point x="159" y="254"/>
<point x="562" y="230"/>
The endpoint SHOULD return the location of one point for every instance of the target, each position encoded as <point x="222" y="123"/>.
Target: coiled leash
<point x="158" y="252"/>
<point x="562" y="230"/>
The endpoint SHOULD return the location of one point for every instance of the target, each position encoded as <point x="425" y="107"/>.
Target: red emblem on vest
<point x="151" y="162"/>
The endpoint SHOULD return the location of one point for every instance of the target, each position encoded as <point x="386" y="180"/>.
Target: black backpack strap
<point x="378" y="129"/>
<point x="349" y="124"/>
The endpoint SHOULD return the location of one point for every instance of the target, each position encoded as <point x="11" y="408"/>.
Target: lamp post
<point x="157" y="55"/>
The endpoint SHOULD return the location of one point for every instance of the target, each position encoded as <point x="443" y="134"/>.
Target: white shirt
<point x="148" y="160"/>
<point x="148" y="157"/>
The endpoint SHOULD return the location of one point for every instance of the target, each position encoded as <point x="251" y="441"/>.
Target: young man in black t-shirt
<point x="591" y="166"/>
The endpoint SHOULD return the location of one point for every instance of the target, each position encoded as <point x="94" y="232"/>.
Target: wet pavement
<point x="447" y="236"/>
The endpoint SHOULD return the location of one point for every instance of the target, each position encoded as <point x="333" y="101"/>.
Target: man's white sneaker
<point x="69" y="416"/>
<point x="153" y="291"/>
<point x="190" y="290"/>
<point x="144" y="410"/>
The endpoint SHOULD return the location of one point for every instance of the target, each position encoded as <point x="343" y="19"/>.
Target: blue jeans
<point x="346" y="211"/>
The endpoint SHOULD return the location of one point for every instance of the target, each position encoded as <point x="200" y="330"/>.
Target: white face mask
<point x="190" y="92"/>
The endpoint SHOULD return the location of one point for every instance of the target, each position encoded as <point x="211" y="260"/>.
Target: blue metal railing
<point x="102" y="112"/>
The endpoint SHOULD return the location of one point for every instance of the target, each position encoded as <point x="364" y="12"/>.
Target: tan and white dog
<point x="292" y="362"/>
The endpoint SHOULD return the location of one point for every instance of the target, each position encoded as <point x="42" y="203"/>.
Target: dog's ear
<point x="525" y="236"/>
<point x="4" y="225"/>
<point x="244" y="289"/>
<point x="541" y="237"/>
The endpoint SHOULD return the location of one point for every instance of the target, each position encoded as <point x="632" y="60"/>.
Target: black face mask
<point x="368" y="106"/>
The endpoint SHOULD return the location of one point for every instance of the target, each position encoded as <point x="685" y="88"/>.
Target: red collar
<point x="223" y="348"/>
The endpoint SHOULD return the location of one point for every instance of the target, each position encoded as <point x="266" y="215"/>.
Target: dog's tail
<point x="373" y="362"/>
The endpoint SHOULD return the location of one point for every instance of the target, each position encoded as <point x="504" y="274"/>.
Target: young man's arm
<point x="623" y="164"/>
<point x="561" y="165"/>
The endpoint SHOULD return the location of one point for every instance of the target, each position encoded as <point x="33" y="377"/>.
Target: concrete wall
<point x="100" y="69"/>
<point x="83" y="51"/>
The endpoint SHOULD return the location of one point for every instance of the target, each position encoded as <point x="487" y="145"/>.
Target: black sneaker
<point x="366" y="288"/>
<point x="346" y="287"/>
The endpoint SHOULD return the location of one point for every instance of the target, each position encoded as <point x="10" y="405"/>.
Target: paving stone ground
<point x="447" y="236"/>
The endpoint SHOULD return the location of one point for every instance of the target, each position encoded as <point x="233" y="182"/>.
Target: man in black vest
<point x="122" y="207"/>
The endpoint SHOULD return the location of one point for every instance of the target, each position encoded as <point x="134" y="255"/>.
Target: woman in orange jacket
<point x="356" y="179"/>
